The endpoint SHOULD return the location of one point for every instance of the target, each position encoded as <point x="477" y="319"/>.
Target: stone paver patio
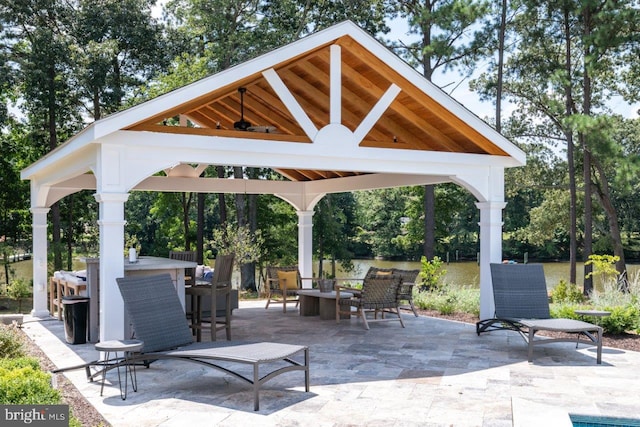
<point x="434" y="372"/>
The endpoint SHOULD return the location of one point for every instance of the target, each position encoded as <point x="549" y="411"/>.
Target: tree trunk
<point x="429" y="190"/>
<point x="573" y="193"/>
<point x="588" y="221"/>
<point x="200" y="231"/>
<point x="604" y="196"/>
<point x="186" y="205"/>
<point x="53" y="143"/>
<point x="222" y="204"/>
<point x="241" y="215"/>
<point x="320" y="257"/>
<point x="69" y="234"/>
<point x="586" y="110"/>
<point x="97" y="112"/>
<point x="501" y="36"/>
<point x="249" y="282"/>
<point x="429" y="221"/>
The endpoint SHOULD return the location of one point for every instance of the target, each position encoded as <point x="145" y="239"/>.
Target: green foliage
<point x="603" y="266"/>
<point x="622" y="319"/>
<point x="565" y="310"/>
<point x="21" y="379"/>
<point x="231" y="239"/>
<point x="623" y="306"/>
<point x="11" y="342"/>
<point x="6" y="270"/>
<point x="22" y="383"/>
<point x="566" y="293"/>
<point x="334" y="230"/>
<point x="19" y="289"/>
<point x="277" y="221"/>
<point x="610" y="296"/>
<point x="448" y="299"/>
<point x="431" y="272"/>
<point x="381" y="218"/>
<point x="131" y="241"/>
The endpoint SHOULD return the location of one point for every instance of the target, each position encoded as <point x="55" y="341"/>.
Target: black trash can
<point x="76" y="314"/>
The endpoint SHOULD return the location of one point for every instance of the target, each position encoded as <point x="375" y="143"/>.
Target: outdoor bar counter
<point x="144" y="266"/>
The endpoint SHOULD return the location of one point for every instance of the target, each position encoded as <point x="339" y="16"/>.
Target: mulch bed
<point x="627" y="341"/>
<point x="80" y="407"/>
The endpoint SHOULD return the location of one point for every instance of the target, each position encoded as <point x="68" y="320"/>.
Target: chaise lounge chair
<point x="160" y="322"/>
<point x="522" y="305"/>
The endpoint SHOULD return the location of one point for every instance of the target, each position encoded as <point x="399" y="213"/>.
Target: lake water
<point x="468" y="273"/>
<point x="462" y="273"/>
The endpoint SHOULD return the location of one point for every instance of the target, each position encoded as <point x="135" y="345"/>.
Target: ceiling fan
<point x="263" y="129"/>
<point x="242" y="124"/>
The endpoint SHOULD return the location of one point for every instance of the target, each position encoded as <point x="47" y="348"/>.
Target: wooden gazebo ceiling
<point x="414" y="121"/>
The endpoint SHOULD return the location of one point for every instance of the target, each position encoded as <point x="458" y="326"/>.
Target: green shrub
<point x="430" y="273"/>
<point x="565" y="292"/>
<point x="11" y="342"/>
<point x="622" y="319"/>
<point x="565" y="310"/>
<point x="448" y="299"/>
<point x="447" y="305"/>
<point x="23" y="383"/>
<point x="19" y="289"/>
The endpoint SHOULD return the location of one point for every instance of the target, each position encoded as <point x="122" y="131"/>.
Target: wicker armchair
<point x="405" y="290"/>
<point x="408" y="280"/>
<point x="282" y="286"/>
<point x="379" y="294"/>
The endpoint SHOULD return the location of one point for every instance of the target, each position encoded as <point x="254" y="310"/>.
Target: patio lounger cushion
<point x="522" y="305"/>
<point x="159" y="320"/>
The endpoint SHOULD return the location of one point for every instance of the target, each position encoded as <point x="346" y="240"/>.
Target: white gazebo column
<point x="111" y="224"/>
<point x="39" y="226"/>
<point x="490" y="252"/>
<point x="305" y="246"/>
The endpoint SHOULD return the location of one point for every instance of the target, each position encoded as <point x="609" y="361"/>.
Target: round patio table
<point x="126" y="347"/>
<point x="598" y="314"/>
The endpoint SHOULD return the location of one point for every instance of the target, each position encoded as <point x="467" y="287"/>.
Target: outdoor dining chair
<point x="220" y="287"/>
<point x="283" y="284"/>
<point x="189" y="273"/>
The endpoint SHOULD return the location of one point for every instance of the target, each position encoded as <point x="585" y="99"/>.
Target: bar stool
<point x="126" y="347"/>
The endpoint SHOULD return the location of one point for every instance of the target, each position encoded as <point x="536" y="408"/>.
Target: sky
<point x="460" y="92"/>
<point x="471" y="100"/>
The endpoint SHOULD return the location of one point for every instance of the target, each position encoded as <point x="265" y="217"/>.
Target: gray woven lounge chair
<point x="522" y="305"/>
<point x="159" y="320"/>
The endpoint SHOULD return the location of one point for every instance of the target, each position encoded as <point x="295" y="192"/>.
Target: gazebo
<point x="335" y="111"/>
